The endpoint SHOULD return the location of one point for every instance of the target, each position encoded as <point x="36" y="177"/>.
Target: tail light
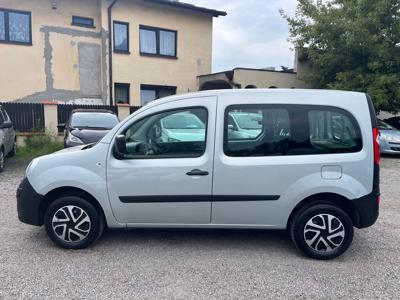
<point x="377" y="153"/>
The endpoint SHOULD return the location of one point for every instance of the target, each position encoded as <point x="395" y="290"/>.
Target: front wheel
<point x="73" y="223"/>
<point x="322" y="231"/>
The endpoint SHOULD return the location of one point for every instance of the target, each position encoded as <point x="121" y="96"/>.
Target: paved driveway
<point x="197" y="264"/>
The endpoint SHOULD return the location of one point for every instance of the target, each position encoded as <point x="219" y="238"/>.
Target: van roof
<point x="304" y="92"/>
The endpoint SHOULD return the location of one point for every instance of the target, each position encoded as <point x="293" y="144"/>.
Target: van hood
<point x="71" y="149"/>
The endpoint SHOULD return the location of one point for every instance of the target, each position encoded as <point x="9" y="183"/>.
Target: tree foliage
<point x="351" y="45"/>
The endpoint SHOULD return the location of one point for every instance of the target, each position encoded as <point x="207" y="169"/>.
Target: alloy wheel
<point x="324" y="233"/>
<point x="71" y="224"/>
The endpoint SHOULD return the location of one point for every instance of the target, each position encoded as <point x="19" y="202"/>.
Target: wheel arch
<point x="68" y="191"/>
<point x="325" y="198"/>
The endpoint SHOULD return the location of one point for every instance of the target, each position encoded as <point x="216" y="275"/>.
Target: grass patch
<point x="38" y="145"/>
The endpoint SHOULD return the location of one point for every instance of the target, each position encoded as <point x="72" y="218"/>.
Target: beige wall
<point x="23" y="66"/>
<point x="251" y="77"/>
<point x="194" y="45"/>
<point x="51" y="68"/>
<point x="266" y="79"/>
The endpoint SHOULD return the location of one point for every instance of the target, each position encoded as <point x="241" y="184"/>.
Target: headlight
<point x="74" y="139"/>
<point x="388" y="137"/>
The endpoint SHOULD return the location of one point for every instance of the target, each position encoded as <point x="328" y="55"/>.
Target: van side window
<point x="172" y="134"/>
<point x="332" y="131"/>
<point x="257" y="132"/>
<point x="278" y="130"/>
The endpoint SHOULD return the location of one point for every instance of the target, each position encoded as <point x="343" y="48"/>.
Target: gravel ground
<point x="197" y="264"/>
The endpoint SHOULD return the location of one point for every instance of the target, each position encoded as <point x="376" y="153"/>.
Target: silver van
<point x="308" y="162"/>
<point x="8" y="141"/>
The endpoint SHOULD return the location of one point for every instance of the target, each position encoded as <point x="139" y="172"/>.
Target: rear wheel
<point x="14" y="149"/>
<point x="73" y="223"/>
<point x="322" y="231"/>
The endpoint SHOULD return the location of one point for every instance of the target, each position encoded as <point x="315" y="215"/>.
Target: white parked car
<point x="309" y="165"/>
<point x="8" y="141"/>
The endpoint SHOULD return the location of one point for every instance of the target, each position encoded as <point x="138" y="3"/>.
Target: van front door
<point x="166" y="175"/>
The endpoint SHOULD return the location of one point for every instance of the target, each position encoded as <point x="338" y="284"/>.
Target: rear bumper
<point x="366" y="210"/>
<point x="28" y="204"/>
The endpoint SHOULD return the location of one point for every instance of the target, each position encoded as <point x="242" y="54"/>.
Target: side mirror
<point x="120" y="146"/>
<point x="231" y="127"/>
<point x="6" y="124"/>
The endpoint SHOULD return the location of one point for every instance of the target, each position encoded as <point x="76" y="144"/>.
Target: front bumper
<point x="389" y="147"/>
<point x="28" y="204"/>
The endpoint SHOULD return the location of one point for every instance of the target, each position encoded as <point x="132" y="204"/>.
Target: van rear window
<point x="278" y="130"/>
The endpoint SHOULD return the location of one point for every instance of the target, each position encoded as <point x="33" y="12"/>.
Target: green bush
<point x="37" y="145"/>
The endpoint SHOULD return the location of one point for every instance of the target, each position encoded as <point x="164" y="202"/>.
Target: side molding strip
<point x="197" y="198"/>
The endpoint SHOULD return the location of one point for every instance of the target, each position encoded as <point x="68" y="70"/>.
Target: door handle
<point x="197" y="172"/>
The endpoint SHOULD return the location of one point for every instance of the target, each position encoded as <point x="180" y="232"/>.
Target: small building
<point x="102" y="51"/>
<point x="257" y="78"/>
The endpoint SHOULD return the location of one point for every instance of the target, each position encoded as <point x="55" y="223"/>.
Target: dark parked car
<point x="8" y="142"/>
<point x="394" y="121"/>
<point x="87" y="126"/>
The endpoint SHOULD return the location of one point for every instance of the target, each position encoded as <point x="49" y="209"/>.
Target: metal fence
<point x="29" y="117"/>
<point x="133" y="109"/>
<point x="26" y="116"/>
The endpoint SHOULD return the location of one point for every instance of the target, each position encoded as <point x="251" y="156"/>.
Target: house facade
<point x="102" y="51"/>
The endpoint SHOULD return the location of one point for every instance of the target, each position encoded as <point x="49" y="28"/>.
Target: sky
<point x="252" y="35"/>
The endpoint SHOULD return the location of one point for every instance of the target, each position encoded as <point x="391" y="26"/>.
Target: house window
<point x="150" y="93"/>
<point x="15" y="27"/>
<point x="121" y="37"/>
<point x="82" y="21"/>
<point x="158" y="42"/>
<point x="122" y="92"/>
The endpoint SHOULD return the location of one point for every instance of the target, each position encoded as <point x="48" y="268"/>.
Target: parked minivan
<point x="311" y="166"/>
<point x="8" y="141"/>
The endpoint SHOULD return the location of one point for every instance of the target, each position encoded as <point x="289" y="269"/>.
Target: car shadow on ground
<point x="209" y="239"/>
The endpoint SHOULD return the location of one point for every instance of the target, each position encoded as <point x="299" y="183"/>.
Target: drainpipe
<point x="110" y="50"/>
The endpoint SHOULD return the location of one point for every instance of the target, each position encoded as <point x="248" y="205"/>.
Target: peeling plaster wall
<point x="70" y="63"/>
<point x="53" y="67"/>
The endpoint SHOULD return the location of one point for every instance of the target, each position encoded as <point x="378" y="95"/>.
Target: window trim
<point x="124" y="85"/>
<point x="177" y="109"/>
<point x="157" y="31"/>
<point x="119" y="51"/>
<point x="305" y="109"/>
<point x="7" y="27"/>
<point x="74" y="23"/>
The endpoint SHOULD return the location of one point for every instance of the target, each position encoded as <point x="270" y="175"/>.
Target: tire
<point x="14" y="150"/>
<point x="2" y="158"/>
<point x="73" y="223"/>
<point x="312" y="236"/>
